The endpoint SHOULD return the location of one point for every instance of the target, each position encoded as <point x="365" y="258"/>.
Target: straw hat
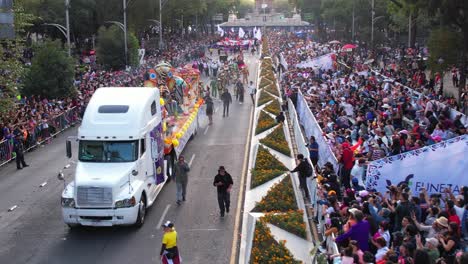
<point x="442" y="221"/>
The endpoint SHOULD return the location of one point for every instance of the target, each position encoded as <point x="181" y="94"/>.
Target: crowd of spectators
<point x="369" y="106"/>
<point x="36" y="118"/>
<point x="365" y="110"/>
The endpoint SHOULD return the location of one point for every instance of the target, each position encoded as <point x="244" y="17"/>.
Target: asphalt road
<point x="35" y="233"/>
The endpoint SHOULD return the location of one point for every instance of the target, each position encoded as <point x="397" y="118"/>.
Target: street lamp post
<point x="67" y="18"/>
<point x="63" y="30"/>
<point x="125" y="30"/>
<point x="372" y="24"/>
<point x="160" y="26"/>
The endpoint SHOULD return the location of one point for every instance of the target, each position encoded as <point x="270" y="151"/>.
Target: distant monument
<point x="264" y="15"/>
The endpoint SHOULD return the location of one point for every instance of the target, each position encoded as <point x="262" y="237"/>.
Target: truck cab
<point x="120" y="159"/>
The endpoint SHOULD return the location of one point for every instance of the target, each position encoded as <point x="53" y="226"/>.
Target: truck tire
<point x="141" y="212"/>
<point x="170" y="165"/>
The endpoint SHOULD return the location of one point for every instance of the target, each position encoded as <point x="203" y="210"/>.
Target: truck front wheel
<point x="141" y="212"/>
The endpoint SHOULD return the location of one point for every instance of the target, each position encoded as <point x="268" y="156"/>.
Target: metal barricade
<point x="41" y="133"/>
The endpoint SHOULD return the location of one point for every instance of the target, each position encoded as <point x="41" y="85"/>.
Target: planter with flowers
<point x="277" y="140"/>
<point x="265" y="249"/>
<point x="267" y="167"/>
<point x="264" y="122"/>
<point x="273" y="107"/>
<point x="291" y="221"/>
<point x="264" y="98"/>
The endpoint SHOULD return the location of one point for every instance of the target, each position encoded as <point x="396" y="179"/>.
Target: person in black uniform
<point x="18" y="148"/>
<point x="223" y="182"/>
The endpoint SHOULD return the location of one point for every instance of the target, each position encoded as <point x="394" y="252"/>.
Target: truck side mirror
<point x="69" y="148"/>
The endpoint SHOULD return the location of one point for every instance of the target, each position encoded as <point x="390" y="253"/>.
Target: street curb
<point x="241" y="197"/>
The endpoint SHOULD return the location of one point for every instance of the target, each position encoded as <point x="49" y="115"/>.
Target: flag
<point x="241" y="33"/>
<point x="258" y="34"/>
<point x="220" y="31"/>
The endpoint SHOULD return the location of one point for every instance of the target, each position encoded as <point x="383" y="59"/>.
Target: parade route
<point x="34" y="232"/>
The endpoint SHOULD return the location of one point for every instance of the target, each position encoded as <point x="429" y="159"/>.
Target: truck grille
<point x="94" y="197"/>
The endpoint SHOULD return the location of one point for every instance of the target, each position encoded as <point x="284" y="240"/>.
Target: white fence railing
<point x="312" y="128"/>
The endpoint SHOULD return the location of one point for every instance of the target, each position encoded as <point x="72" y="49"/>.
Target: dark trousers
<point x="346" y="178"/>
<point x="226" y="109"/>
<point x="224" y="200"/>
<point x="253" y="98"/>
<point x="20" y="161"/>
<point x="314" y="161"/>
<point x="303" y="185"/>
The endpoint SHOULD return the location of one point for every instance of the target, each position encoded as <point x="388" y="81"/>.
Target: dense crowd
<point x="370" y="105"/>
<point x="366" y="110"/>
<point x="36" y="118"/>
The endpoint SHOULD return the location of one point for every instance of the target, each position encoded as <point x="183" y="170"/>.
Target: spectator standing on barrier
<point x="280" y="117"/>
<point x="313" y="151"/>
<point x="227" y="100"/>
<point x="223" y="182"/>
<point x="18" y="148"/>
<point x="347" y="159"/>
<point x="305" y="170"/>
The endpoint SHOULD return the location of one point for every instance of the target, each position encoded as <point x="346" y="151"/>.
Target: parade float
<point x="180" y="102"/>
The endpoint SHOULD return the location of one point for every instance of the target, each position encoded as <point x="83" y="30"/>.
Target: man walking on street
<point x="240" y="91"/>
<point x="18" y="148"/>
<point x="252" y="92"/>
<point x="305" y="171"/>
<point x="223" y="182"/>
<point x="181" y="170"/>
<point x="227" y="99"/>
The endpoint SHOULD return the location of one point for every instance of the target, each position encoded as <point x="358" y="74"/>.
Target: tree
<point x="454" y="14"/>
<point x="444" y="46"/>
<point x="51" y="73"/>
<point x="11" y="55"/>
<point x="111" y="50"/>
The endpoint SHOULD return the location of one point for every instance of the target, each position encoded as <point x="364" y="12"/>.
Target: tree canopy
<point x="51" y="73"/>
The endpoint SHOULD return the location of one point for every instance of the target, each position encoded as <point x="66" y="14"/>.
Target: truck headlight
<point x="68" y="202"/>
<point x="125" y="202"/>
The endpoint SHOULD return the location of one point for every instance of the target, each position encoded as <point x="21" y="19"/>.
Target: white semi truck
<point x="120" y="167"/>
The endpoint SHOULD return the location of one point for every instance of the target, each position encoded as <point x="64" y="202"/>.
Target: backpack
<point x="309" y="171"/>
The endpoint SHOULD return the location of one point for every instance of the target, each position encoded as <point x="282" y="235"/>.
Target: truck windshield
<point x="108" y="151"/>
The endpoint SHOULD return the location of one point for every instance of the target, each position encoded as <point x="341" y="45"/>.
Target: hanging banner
<point x="435" y="168"/>
<point x="324" y="62"/>
<point x="312" y="128"/>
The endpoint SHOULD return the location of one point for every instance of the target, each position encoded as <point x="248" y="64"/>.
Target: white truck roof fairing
<point x="118" y="113"/>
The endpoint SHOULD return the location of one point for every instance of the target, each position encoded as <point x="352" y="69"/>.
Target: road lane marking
<point x="241" y="190"/>
<point x="206" y="130"/>
<point x="205" y="229"/>
<point x="163" y="216"/>
<point x="12" y="208"/>
<point x="191" y="160"/>
<point x="43" y="184"/>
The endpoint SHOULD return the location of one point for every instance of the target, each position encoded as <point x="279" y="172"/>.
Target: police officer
<point x="18" y="148"/>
